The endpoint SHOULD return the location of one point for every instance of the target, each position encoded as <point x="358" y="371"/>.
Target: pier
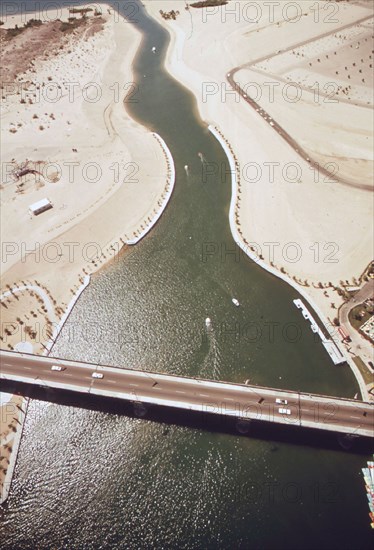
<point x="331" y="348"/>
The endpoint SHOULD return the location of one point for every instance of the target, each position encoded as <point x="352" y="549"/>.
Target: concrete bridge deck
<point x="242" y="401"/>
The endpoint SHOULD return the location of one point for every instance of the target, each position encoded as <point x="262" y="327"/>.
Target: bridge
<point x="245" y="402"/>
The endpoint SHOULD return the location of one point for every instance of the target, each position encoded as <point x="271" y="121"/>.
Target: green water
<point x="100" y="480"/>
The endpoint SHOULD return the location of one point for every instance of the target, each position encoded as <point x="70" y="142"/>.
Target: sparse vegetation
<point x="169" y="14"/>
<point x="72" y="24"/>
<point x="209" y="3"/>
<point x="359" y="315"/>
<point x="18" y="30"/>
<point x="82" y="11"/>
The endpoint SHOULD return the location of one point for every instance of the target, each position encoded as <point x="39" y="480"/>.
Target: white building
<point x="40" y="206"/>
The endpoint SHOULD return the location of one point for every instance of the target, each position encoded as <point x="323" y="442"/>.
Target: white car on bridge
<point x="57" y="367"/>
<point x="281" y="401"/>
<point x="284" y="411"/>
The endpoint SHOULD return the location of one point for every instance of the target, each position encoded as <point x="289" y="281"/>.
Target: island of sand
<point x="68" y="142"/>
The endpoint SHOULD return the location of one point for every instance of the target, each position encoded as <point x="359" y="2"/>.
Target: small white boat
<point x="235" y="302"/>
<point x="314" y="328"/>
<point x="208" y="322"/>
<point x="154" y="49"/>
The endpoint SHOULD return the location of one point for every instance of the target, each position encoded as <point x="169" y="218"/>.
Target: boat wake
<point x="210" y="368"/>
<point x="202" y="158"/>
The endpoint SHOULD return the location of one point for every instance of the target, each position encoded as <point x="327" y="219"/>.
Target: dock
<point x="329" y="345"/>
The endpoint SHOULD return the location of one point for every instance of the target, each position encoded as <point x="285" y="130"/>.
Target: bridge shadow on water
<point x="197" y="420"/>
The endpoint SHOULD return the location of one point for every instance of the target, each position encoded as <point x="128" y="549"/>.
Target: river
<point x="93" y="479"/>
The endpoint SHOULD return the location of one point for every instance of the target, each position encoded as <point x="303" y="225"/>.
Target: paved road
<point x="238" y="400"/>
<point x="281" y="130"/>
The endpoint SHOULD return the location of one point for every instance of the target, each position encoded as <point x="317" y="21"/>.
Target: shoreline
<point x="238" y="239"/>
<point x="131" y="133"/>
<point x="169" y="190"/>
<point x="282" y="204"/>
<point x="64" y="318"/>
<point x="144" y="205"/>
<point x="272" y="208"/>
<point x="7" y="482"/>
<point x="264" y="265"/>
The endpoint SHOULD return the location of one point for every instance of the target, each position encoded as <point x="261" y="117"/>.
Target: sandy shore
<point x="107" y="177"/>
<point x="309" y="229"/>
<point x="13" y="409"/>
<point x="253" y="254"/>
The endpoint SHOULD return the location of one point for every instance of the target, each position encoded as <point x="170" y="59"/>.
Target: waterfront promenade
<point x="247" y="402"/>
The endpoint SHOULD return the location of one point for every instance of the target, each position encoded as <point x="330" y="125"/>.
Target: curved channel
<point x="89" y="479"/>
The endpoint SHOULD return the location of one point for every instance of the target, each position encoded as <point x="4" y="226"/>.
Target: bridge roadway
<point x="238" y="400"/>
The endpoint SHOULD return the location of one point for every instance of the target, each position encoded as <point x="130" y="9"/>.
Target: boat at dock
<point x="328" y="343"/>
<point x="368" y="475"/>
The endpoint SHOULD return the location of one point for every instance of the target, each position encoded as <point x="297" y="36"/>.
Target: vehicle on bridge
<point x="57" y="367"/>
<point x="281" y="401"/>
<point x="284" y="411"/>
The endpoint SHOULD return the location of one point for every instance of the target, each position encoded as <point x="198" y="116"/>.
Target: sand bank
<point x="66" y="136"/>
<point x="253" y="254"/>
<point x="108" y="177"/>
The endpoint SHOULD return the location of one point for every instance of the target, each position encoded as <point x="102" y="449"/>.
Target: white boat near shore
<point x="330" y="346"/>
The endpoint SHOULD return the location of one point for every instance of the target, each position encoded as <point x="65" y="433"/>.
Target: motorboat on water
<point x="208" y="322"/>
<point x="235" y="302"/>
<point x="368" y="475"/>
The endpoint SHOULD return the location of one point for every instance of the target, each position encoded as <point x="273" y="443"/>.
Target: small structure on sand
<point x="40" y="206"/>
